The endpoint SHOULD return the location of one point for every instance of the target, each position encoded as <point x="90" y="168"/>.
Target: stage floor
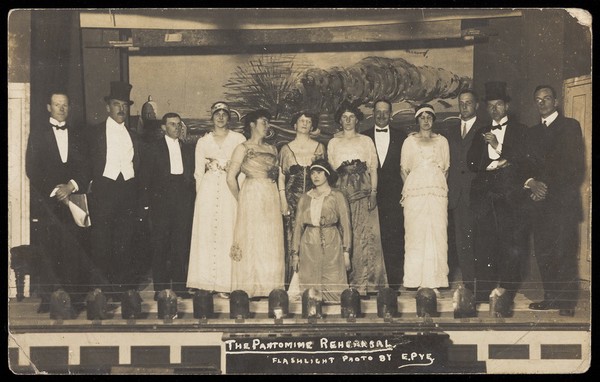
<point x="24" y="314"/>
<point x="528" y="342"/>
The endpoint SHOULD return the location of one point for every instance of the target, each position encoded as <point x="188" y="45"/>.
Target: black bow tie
<point x="63" y="127"/>
<point x="499" y="126"/>
<point x="384" y="130"/>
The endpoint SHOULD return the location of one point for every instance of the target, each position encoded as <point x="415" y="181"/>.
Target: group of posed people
<point x="367" y="210"/>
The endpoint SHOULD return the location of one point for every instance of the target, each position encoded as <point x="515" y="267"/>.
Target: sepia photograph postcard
<point x="299" y="191"/>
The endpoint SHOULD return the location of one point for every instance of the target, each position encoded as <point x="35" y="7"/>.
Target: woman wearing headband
<point x="295" y="158"/>
<point x="424" y="166"/>
<point x="322" y="235"/>
<point x="215" y="209"/>
<point x="257" y="251"/>
<point x="355" y="158"/>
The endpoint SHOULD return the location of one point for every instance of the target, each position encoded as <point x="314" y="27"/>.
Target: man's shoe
<point x="567" y="312"/>
<point x="543" y="305"/>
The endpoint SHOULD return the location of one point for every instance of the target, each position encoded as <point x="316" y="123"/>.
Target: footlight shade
<point x="167" y="305"/>
<point x="278" y="304"/>
<point x="95" y="303"/>
<point x="387" y="303"/>
<point x="350" y="303"/>
<point x="426" y="303"/>
<point x="60" y="305"/>
<point x="239" y="305"/>
<point x="131" y="304"/>
<point x="312" y="303"/>
<point x="204" y="306"/>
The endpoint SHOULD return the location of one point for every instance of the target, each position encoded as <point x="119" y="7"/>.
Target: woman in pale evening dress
<point x="424" y="166"/>
<point x="257" y="251"/>
<point x="322" y="237"/>
<point x="215" y="208"/>
<point x="295" y="158"/>
<point x="354" y="157"/>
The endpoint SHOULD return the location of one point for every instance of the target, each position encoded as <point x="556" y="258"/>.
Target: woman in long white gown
<point x="215" y="207"/>
<point x="424" y="163"/>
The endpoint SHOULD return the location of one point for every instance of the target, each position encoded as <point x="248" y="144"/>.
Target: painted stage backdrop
<point x="287" y="83"/>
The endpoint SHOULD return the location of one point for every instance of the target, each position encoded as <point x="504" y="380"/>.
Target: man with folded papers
<point x="57" y="169"/>
<point x="499" y="233"/>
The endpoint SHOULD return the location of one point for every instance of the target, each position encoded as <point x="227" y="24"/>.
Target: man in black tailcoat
<point x="114" y="206"/>
<point x="56" y="165"/>
<point x="388" y="142"/>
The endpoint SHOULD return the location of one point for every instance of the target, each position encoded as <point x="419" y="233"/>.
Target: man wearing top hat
<point x="497" y="156"/>
<point x="555" y="150"/>
<point x="115" y="162"/>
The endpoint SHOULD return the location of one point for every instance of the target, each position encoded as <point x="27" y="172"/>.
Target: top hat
<point x="496" y="90"/>
<point x="119" y="90"/>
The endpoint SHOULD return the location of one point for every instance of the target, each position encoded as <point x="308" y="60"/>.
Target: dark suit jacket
<point x="389" y="181"/>
<point x="556" y="157"/>
<point x="507" y="182"/>
<point x="459" y="175"/>
<point x="157" y="170"/>
<point x="97" y="147"/>
<point x="44" y="166"/>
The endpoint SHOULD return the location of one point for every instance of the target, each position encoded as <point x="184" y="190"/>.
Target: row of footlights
<point x="312" y="301"/>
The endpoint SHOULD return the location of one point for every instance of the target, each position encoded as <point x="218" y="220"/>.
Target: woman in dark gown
<point x="295" y="158"/>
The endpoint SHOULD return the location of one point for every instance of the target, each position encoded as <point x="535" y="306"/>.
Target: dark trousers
<point x="63" y="260"/>
<point x="462" y="225"/>
<point x="112" y="210"/>
<point x="171" y="231"/>
<point x="500" y="234"/>
<point x="556" y="242"/>
<point x="391" y="222"/>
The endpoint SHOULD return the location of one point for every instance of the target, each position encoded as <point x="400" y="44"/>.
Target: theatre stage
<point x="527" y="342"/>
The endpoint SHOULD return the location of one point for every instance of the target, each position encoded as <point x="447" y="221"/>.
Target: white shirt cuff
<point x="74" y="183"/>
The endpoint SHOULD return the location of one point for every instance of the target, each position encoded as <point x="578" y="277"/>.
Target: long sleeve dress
<point x="355" y="160"/>
<point x="425" y="202"/>
<point x="321" y="234"/>
<point x="258" y="233"/>
<point x="214" y="215"/>
<point x="297" y="182"/>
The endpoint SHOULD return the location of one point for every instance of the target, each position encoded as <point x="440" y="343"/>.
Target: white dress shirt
<point x="549" y="119"/>
<point x="468" y="125"/>
<point x="495" y="154"/>
<point x="174" y="155"/>
<point x="62" y="141"/>
<point x="119" y="151"/>
<point x="382" y="142"/>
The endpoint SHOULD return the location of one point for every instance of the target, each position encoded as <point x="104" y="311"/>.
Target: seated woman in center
<point x="322" y="236"/>
<point x="354" y="157"/>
